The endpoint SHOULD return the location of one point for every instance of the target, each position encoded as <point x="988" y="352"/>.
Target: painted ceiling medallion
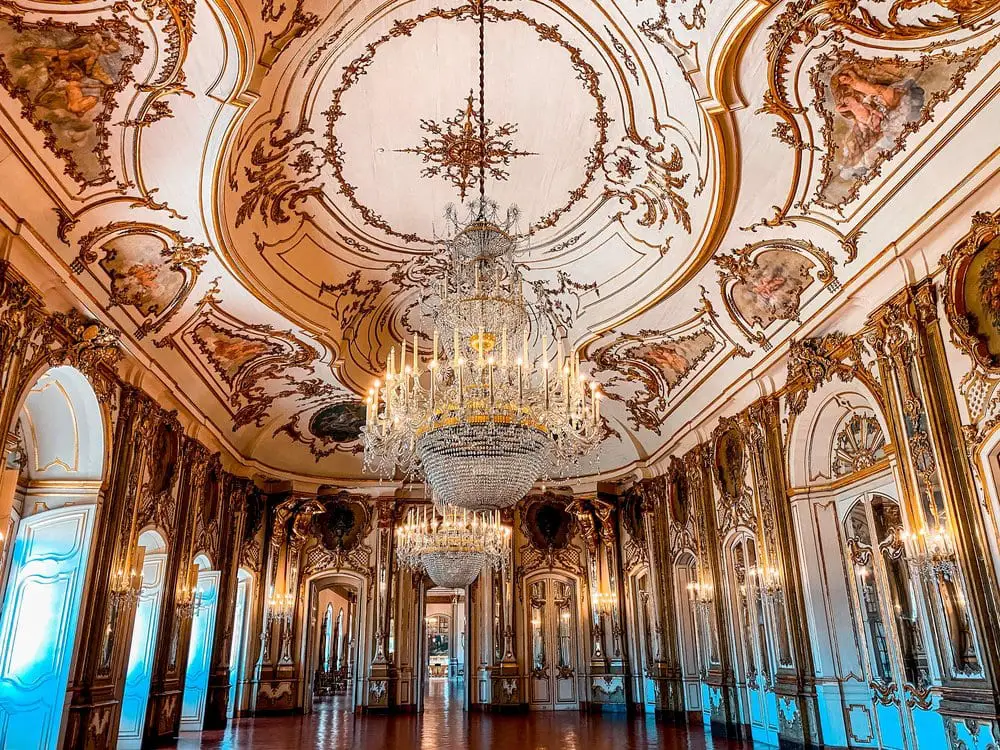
<point x="340" y="423"/>
<point x="66" y="77"/>
<point x="453" y="149"/>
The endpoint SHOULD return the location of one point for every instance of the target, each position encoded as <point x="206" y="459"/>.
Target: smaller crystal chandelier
<point x="190" y="602"/>
<point x="930" y="552"/>
<point x="701" y="594"/>
<point x="452" y="544"/>
<point x="768" y="581"/>
<point x="604" y="602"/>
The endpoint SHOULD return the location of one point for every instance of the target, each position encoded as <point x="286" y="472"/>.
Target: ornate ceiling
<point x="253" y="191"/>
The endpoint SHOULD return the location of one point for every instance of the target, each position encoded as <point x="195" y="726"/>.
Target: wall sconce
<point x="280" y="609"/>
<point x="125" y="587"/>
<point x="768" y="582"/>
<point x="190" y="602"/>
<point x="604" y="602"/>
<point x="700" y="594"/>
<point x="931" y="552"/>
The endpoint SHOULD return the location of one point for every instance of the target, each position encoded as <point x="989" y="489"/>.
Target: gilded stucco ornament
<point x="815" y="361"/>
<point x="649" y="370"/>
<point x="549" y="527"/>
<point x="249" y="365"/>
<point x="146" y="267"/>
<point x="876" y="75"/>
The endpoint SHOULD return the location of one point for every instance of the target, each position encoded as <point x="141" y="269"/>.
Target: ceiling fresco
<point x="253" y="191"/>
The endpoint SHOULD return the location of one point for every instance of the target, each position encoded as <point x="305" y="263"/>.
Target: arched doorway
<point x="206" y="599"/>
<point x="332" y="649"/>
<point x="553" y="642"/>
<point x="52" y="508"/>
<point x="143" y="646"/>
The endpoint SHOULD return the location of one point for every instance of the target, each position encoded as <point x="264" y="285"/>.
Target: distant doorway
<point x="335" y="627"/>
<point x="444" y="650"/>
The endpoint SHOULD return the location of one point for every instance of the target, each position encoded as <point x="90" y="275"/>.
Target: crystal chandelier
<point x="486" y="417"/>
<point x="453" y="544"/>
<point x="931" y="552"/>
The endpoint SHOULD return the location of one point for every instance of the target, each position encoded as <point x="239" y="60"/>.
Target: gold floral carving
<point x="815" y="361"/>
<point x="641" y="176"/>
<point x="454" y="150"/>
<point x="282" y="164"/>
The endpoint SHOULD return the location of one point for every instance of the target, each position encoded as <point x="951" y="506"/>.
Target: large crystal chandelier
<point x="486" y="416"/>
<point x="452" y="544"/>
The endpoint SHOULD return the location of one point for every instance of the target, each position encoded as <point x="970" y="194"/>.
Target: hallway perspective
<point x="500" y="374"/>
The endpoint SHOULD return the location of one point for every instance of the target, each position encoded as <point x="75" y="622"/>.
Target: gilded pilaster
<point x="665" y="672"/>
<point x="235" y="491"/>
<point x="174" y="630"/>
<point x="794" y="681"/>
<point x="941" y="498"/>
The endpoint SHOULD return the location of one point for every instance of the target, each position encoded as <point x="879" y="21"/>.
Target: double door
<point x="553" y="643"/>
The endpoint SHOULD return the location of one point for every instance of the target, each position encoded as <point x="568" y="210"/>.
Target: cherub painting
<point x="228" y="351"/>
<point x="877" y="101"/>
<point x="673" y="358"/>
<point x="771" y="287"/>
<point x="871" y="106"/>
<point x="65" y="77"/>
<point x="141" y="276"/>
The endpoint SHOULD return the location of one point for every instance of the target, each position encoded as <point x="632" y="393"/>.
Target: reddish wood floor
<point x="445" y="726"/>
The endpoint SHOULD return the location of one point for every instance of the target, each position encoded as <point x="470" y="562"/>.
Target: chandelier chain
<point x="482" y="105"/>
